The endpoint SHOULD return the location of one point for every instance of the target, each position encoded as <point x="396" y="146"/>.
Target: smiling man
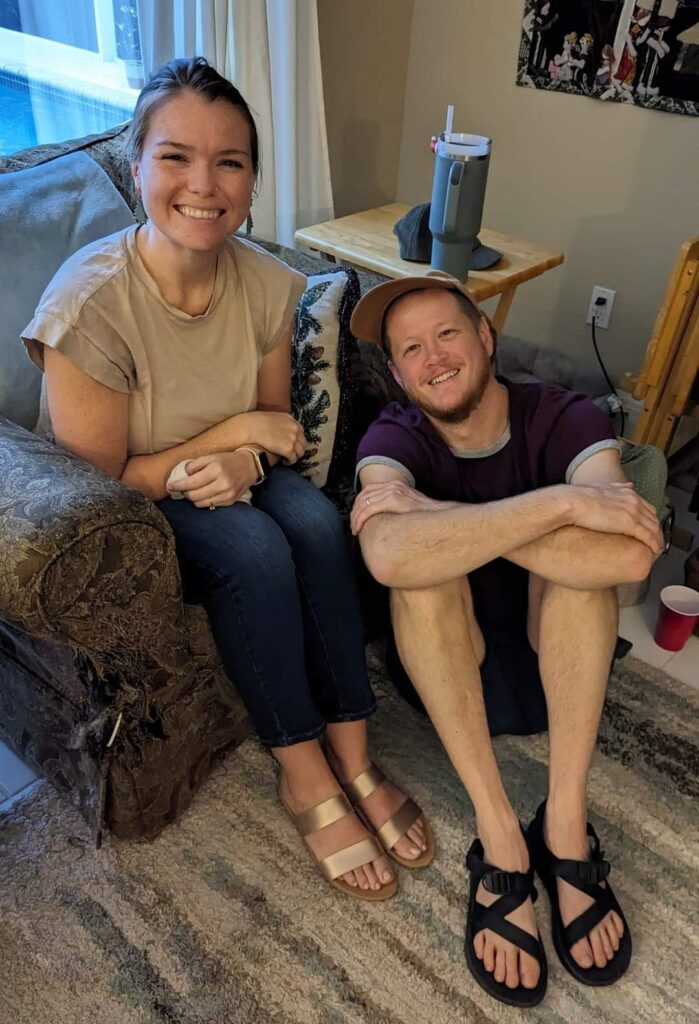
<point x="500" y="518"/>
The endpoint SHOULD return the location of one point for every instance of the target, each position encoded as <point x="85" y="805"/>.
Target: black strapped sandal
<point x="588" y="876"/>
<point x="513" y="888"/>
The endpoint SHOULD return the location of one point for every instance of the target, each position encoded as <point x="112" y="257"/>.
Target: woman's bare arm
<point x="87" y="417"/>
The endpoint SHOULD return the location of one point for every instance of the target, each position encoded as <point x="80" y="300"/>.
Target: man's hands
<point x="277" y="432"/>
<point x="217" y="479"/>
<point x="394" y="496"/>
<point x="615" y="508"/>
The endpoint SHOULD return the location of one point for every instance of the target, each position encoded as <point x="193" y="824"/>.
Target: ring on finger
<point x="212" y="507"/>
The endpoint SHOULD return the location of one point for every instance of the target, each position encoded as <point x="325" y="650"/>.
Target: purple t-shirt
<point x="551" y="432"/>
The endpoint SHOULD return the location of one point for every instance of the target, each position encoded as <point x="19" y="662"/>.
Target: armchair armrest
<point x="85" y="560"/>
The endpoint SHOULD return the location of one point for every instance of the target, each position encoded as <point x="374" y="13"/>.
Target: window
<point x="67" y="68"/>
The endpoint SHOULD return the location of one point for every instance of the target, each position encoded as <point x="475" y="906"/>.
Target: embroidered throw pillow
<point x="321" y="383"/>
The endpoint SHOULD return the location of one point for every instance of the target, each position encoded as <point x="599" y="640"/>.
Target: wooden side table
<point x="367" y="240"/>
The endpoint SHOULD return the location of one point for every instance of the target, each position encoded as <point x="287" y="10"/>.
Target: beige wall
<point x="364" y="48"/>
<point x="615" y="187"/>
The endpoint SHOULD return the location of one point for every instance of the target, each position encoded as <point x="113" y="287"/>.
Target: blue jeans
<point x="278" y="586"/>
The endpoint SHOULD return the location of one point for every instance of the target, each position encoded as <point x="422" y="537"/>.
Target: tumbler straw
<point x="450" y="121"/>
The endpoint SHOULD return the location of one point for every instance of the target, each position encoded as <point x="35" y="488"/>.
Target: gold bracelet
<point x="256" y="458"/>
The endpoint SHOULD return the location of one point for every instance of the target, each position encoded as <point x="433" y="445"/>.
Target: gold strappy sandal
<point x="351" y="857"/>
<point x="362" y="786"/>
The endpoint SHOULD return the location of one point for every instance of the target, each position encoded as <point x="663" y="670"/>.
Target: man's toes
<point x="478" y="945"/>
<point x="512" y="975"/>
<point x="582" y="953"/>
<point x="618" y="923"/>
<point x="613" y="935"/>
<point x="604" y="939"/>
<point x="500" y="965"/>
<point x="600" y="957"/>
<point x="528" y="970"/>
<point x="489" y="954"/>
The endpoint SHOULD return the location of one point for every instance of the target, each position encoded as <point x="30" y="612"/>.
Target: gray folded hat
<point x="415" y="239"/>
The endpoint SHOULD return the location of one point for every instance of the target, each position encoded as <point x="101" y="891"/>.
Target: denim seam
<point x="227" y="583"/>
<point x="306" y="594"/>
<point x="298" y="737"/>
<point x="353" y="716"/>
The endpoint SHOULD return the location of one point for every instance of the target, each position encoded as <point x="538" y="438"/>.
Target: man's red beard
<point x="466" y="406"/>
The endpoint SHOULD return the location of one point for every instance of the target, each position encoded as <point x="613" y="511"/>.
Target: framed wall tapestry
<point x="642" y="53"/>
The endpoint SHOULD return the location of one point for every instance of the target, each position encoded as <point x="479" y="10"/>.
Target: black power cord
<point x="599" y="302"/>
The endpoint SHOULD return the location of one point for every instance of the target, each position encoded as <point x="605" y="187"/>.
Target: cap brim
<point x="367" y="319"/>
<point x="484" y="257"/>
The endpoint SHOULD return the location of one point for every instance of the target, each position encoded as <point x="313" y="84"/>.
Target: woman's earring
<point x="139" y="212"/>
<point x="249" y="224"/>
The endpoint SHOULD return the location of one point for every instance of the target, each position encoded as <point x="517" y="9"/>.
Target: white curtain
<point x="185" y="28"/>
<point x="271" y="50"/>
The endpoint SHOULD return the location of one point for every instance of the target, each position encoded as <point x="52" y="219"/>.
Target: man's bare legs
<point x="574" y="632"/>
<point x="442" y="648"/>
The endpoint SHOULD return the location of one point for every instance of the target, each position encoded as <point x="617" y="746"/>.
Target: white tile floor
<point x="636" y="624"/>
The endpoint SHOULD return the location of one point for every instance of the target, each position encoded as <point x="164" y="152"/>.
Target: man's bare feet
<point x="565" y="834"/>
<point x="509" y="965"/>
<point x="300" y="796"/>
<point x="380" y="805"/>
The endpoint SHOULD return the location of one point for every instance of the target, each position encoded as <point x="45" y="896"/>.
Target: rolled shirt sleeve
<point x="579" y="429"/>
<point x="392" y="440"/>
<point x="94" y="348"/>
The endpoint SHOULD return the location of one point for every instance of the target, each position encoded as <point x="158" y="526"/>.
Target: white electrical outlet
<point x="601" y="314"/>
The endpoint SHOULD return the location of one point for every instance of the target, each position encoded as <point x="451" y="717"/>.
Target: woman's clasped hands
<point x="223" y="478"/>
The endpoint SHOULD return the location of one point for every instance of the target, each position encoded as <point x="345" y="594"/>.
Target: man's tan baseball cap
<point x="366" y="322"/>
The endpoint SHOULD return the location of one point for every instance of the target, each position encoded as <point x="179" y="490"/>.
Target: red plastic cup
<point x="677" y="617"/>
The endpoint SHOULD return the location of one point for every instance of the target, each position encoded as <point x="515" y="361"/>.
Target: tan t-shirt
<point x="183" y="374"/>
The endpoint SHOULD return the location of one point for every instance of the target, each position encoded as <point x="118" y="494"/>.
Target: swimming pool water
<point x="49" y="115"/>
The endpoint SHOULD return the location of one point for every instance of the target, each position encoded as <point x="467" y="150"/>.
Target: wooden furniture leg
<point x="503" y="308"/>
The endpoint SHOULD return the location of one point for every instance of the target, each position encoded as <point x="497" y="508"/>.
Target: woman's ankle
<point x="348" y="756"/>
<point x="306" y="778"/>
<point x="302" y="791"/>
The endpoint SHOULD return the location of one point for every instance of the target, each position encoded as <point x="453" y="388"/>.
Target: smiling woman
<point x="194" y="193"/>
<point x="167" y="346"/>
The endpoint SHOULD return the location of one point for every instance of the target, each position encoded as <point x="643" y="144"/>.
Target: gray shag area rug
<point x="223" y="918"/>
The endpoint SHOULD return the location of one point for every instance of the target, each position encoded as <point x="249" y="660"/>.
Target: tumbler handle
<point x="456" y="175"/>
